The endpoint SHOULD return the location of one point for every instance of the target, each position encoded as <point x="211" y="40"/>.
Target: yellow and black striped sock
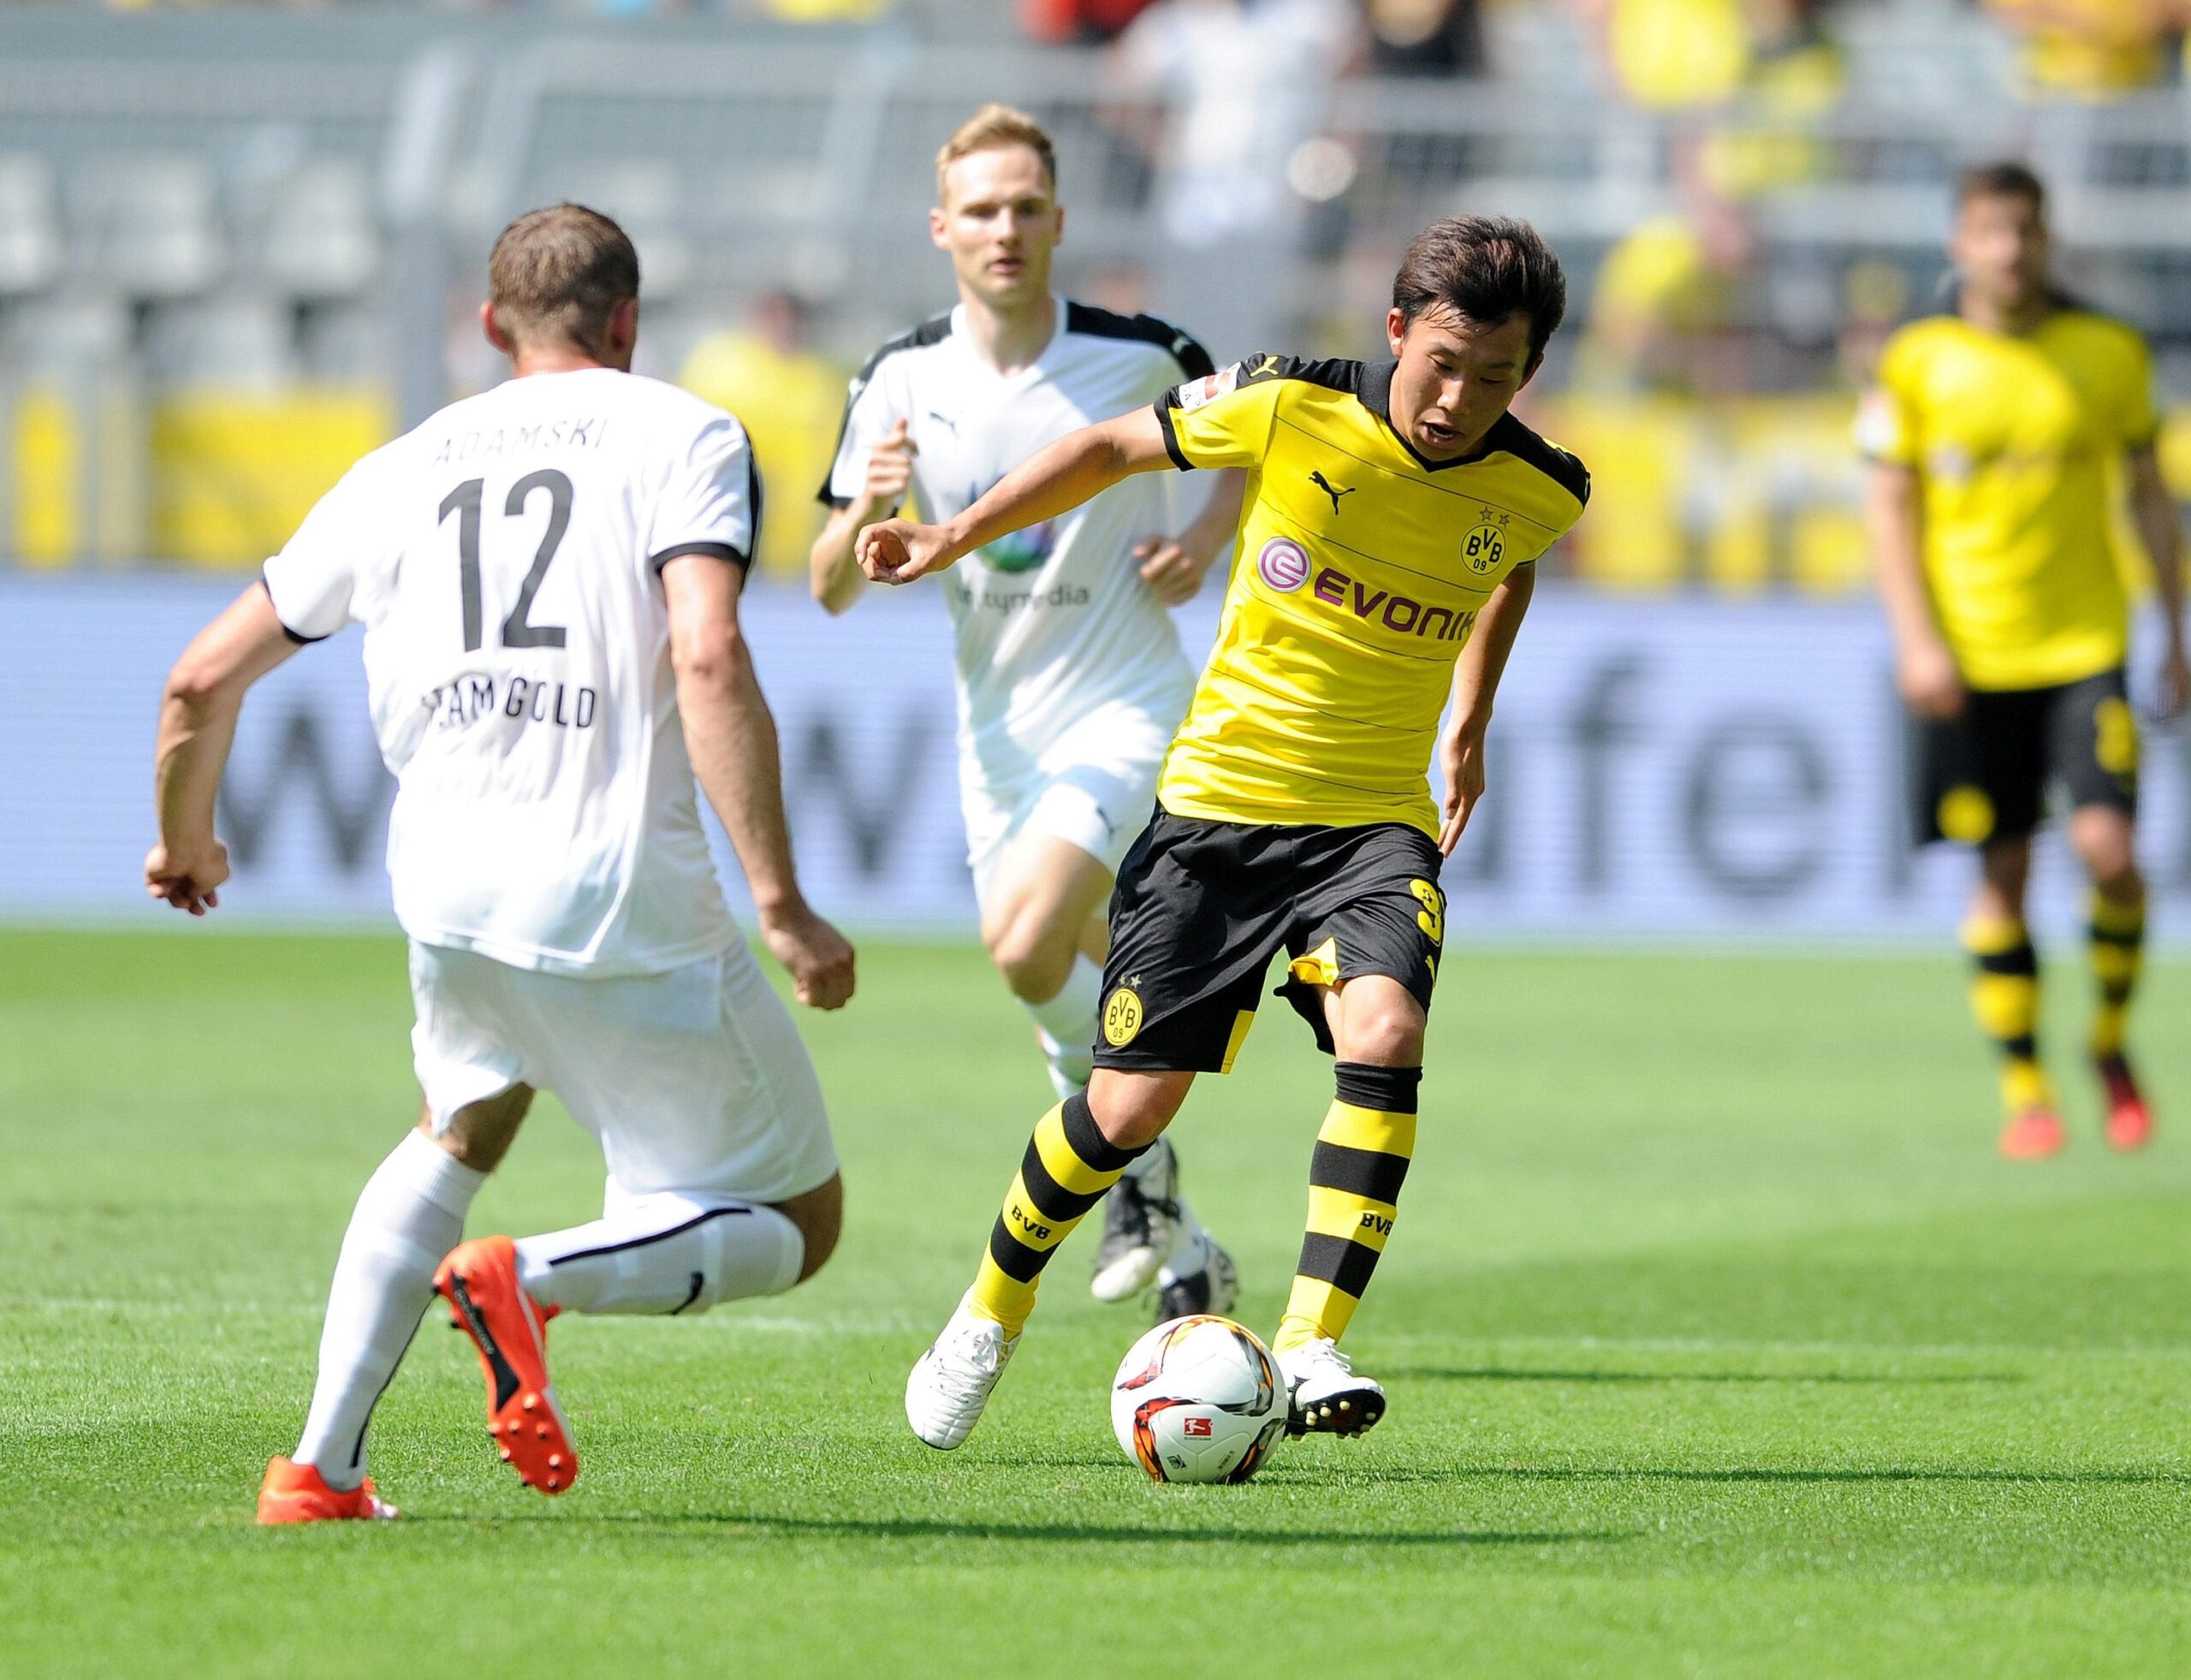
<point x="2118" y="950"/>
<point x="1361" y="1156"/>
<point x="1068" y="1165"/>
<point x="2004" y="998"/>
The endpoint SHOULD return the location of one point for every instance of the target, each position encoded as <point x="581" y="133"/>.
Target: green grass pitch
<point x="1719" y="1341"/>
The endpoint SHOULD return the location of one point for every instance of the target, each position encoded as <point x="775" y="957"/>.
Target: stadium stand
<point x="248" y="233"/>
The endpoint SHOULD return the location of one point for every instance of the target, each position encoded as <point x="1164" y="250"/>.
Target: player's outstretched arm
<point x="732" y="740"/>
<point x="2154" y="509"/>
<point x="1053" y="480"/>
<point x="198" y="724"/>
<point x="1475" y="686"/>
<point x="1924" y="670"/>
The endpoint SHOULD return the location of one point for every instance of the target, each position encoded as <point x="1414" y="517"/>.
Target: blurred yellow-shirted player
<point x="1996" y="431"/>
<point x="1395" y="513"/>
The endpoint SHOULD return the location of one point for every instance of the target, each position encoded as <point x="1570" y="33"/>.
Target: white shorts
<point x="1094" y="786"/>
<point x="695" y="1080"/>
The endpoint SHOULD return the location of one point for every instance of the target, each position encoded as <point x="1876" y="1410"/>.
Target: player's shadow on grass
<point x="1740" y="1474"/>
<point x="928" y="1528"/>
<point x="1445" y="1373"/>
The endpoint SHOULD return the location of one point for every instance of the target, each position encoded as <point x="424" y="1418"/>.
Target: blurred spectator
<point x="1078" y="22"/>
<point x="1669" y="303"/>
<point x="1665" y="54"/>
<point x="1250" y="81"/>
<point x="825" y="11"/>
<point x="1795" y="76"/>
<point x="790" y="398"/>
<point x="1674" y="55"/>
<point x="1120" y="285"/>
<point x="1875" y="295"/>
<point x="1424" y="37"/>
<point x="2091" y="49"/>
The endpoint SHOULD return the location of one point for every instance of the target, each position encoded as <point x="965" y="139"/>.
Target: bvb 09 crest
<point x="1483" y="547"/>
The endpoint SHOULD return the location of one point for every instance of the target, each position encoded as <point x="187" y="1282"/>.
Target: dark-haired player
<point x="1994" y="431"/>
<point x="1395" y="512"/>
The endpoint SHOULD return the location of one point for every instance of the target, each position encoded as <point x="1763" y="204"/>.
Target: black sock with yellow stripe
<point x="2119" y="946"/>
<point x="1068" y="1165"/>
<point x="1355" y="1176"/>
<point x="2004" y="998"/>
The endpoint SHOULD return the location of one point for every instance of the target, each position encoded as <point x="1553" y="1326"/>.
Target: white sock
<point x="667" y="1253"/>
<point x="1190" y="1251"/>
<point x="1156" y="1170"/>
<point x="409" y="1216"/>
<point x="1068" y="1022"/>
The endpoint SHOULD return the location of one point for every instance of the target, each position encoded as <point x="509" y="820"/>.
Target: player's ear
<point x="1529" y="373"/>
<point x="495" y="336"/>
<point x="939" y="223"/>
<point x="623" y="333"/>
<point x="1395" y="329"/>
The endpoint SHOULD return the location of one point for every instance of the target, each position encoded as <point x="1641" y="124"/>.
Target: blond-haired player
<point x="1071" y="679"/>
<point x="548" y="574"/>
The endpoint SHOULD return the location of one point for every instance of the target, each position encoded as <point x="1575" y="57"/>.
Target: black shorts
<point x="1983" y="776"/>
<point x="1201" y="907"/>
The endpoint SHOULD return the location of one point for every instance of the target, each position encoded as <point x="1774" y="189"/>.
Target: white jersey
<point x="505" y="561"/>
<point x="1052" y="621"/>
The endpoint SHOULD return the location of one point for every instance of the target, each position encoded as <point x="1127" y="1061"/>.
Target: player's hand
<point x="188" y="877"/>
<point x="1460" y="757"/>
<point x="1929" y="682"/>
<point x="890" y="468"/>
<point x="818" y="958"/>
<point x="897" y="551"/>
<point x="1169" y="568"/>
<point x="2175" y="685"/>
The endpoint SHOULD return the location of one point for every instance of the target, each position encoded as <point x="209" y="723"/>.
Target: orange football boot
<point x="2129" y="1119"/>
<point x="487" y="1302"/>
<point x="294" y="1492"/>
<point x="2033" y="1134"/>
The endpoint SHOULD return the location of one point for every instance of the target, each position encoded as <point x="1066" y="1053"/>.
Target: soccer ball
<point x="1198" y="1399"/>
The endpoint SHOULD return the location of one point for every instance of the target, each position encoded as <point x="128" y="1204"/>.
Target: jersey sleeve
<point x="872" y="408"/>
<point x="1223" y="418"/>
<point x="2140" y="413"/>
<point x="313" y="581"/>
<point x="1887" y="428"/>
<point x="712" y="502"/>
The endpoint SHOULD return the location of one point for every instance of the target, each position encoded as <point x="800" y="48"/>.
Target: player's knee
<point x="1389" y="1033"/>
<point x="1131" y="1111"/>
<point x="820" y="1245"/>
<point x="480" y="1135"/>
<point x="2103" y="845"/>
<point x="1033" y="959"/>
<point x="2115" y="875"/>
<point x="820" y="1216"/>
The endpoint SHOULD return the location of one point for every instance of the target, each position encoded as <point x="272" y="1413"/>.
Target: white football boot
<point x="1326" y="1397"/>
<point x="951" y="1382"/>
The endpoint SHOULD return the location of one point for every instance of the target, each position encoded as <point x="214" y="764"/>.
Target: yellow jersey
<point x="2015" y="438"/>
<point x="1359" y="570"/>
<point x="789" y="403"/>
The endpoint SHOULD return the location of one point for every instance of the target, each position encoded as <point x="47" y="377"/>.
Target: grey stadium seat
<point x="149" y="226"/>
<point x="322" y="238"/>
<point x="236" y="341"/>
<point x="33" y="246"/>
